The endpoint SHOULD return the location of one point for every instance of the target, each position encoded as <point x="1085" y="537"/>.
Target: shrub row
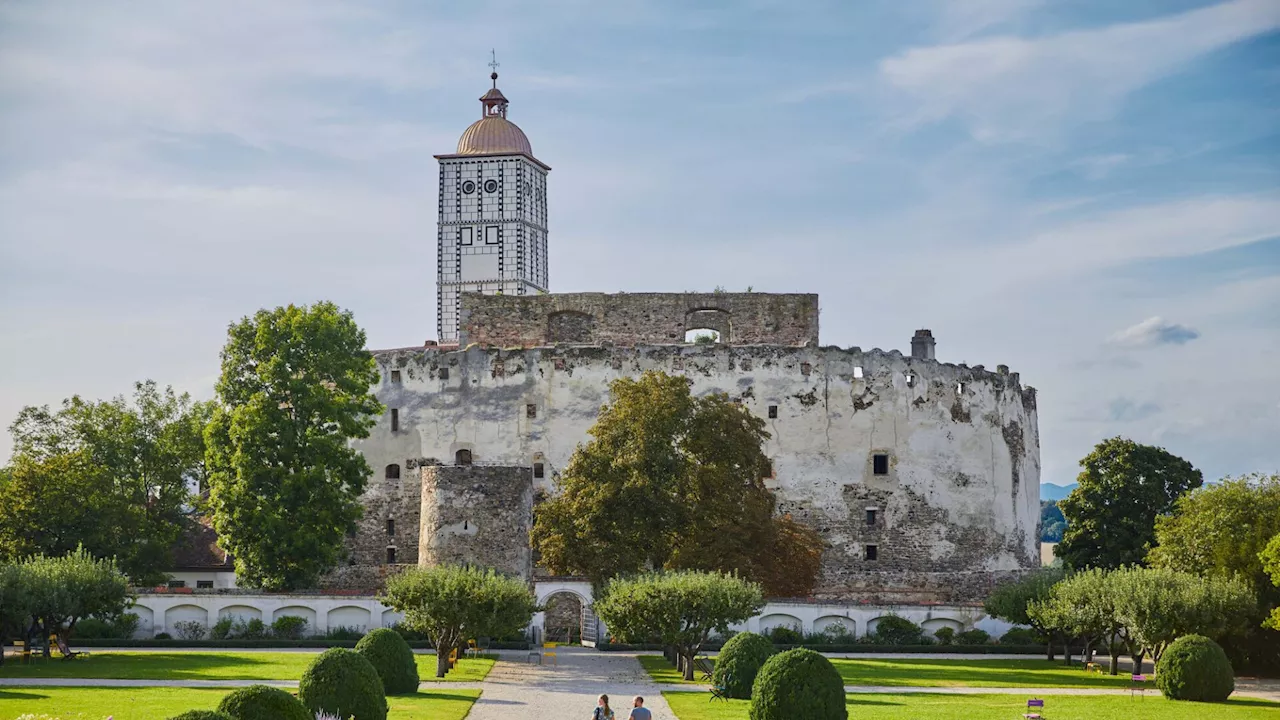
<point x="862" y="648"/>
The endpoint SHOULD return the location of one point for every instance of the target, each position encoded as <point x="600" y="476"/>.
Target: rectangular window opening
<point x="857" y="371"/>
<point x="391" y="526"/>
<point x="395" y="376"/>
<point x="539" y="470"/>
<point x="395" y="419"/>
<point x="204" y="584"/>
<point x="491" y="235"/>
<point x="871" y="516"/>
<point x="773" y="412"/>
<point x="391" y="556"/>
<point x="531" y="410"/>
<point x="177" y="583"/>
<point x="872" y="552"/>
<point x="880" y="464"/>
<point x="444" y="373"/>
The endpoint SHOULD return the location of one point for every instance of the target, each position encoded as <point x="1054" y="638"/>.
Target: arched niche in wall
<point x="570" y="326"/>
<point x="703" y="322"/>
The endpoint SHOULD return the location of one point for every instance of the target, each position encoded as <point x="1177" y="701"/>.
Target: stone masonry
<point x="630" y="319"/>
<point x="479" y="515"/>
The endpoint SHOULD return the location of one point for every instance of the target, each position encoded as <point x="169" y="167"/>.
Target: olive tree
<point x="682" y="608"/>
<point x="15" y="605"/>
<point x="1009" y="601"/>
<point x="451" y="604"/>
<point x="1158" y="606"/>
<point x="63" y="590"/>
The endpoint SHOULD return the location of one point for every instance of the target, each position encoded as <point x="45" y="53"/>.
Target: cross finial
<point x="493" y="63"/>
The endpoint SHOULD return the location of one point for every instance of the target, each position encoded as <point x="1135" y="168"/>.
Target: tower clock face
<point x="468" y="187"/>
<point x="491" y="186"/>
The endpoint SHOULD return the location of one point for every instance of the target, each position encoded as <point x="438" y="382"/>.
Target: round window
<point x="491" y="186"/>
<point x="468" y="187"/>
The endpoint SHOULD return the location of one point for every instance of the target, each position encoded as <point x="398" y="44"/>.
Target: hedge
<point x="866" y="648"/>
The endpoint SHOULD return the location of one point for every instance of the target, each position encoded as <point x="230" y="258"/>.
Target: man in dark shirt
<point x="639" y="711"/>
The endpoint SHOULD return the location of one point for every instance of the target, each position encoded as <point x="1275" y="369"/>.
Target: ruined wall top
<point x="629" y="319"/>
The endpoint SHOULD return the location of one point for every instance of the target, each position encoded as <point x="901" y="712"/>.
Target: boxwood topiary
<point x="202" y="715"/>
<point x="1194" y="667"/>
<point x="740" y="660"/>
<point x="798" y="683"/>
<point x="392" y="658"/>
<point x="259" y="702"/>
<point x="344" y="683"/>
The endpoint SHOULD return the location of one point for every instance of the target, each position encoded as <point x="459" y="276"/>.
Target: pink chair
<point x="1035" y="706"/>
<point x="1138" y="686"/>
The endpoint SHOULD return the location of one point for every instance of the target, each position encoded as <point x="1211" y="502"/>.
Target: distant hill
<point x="1049" y="491"/>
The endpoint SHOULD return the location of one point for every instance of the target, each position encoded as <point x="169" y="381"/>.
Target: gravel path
<point x="568" y="688"/>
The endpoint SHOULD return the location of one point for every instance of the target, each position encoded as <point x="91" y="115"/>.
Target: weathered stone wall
<point x="481" y="515"/>
<point x="956" y="510"/>
<point x="629" y="319"/>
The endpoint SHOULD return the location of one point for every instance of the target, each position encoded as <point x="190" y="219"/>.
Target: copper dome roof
<point x="494" y="135"/>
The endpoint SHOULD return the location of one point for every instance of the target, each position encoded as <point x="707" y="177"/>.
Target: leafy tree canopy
<point x="1220" y="530"/>
<point x="682" y="608"/>
<point x="452" y="604"/>
<point x="284" y="482"/>
<point x="61" y="591"/>
<point x="676" y="482"/>
<point x="1270" y="557"/>
<point x="114" y="476"/>
<point x="1009" y="601"/>
<point x="1111" y="515"/>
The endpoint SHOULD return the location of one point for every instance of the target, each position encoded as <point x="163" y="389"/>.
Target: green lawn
<point x="938" y="673"/>
<point x="155" y="703"/>
<point x="695" y="706"/>
<point x="212" y="666"/>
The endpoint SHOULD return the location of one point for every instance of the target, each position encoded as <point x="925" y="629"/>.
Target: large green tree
<point x="681" y="608"/>
<point x="1111" y="515"/>
<point x="114" y="476"/>
<point x="454" y="604"/>
<point x="673" y="481"/>
<point x="284" y="481"/>
<point x="1221" y="531"/>
<point x="1270" y="557"/>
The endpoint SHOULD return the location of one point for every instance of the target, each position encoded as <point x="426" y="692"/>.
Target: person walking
<point x="639" y="711"/>
<point x="602" y="711"/>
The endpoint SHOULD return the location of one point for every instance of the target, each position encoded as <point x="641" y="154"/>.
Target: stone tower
<point x="493" y="215"/>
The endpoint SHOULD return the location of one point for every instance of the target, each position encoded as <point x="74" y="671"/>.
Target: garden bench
<point x="1093" y="667"/>
<point x="1035" y="709"/>
<point x="704" y="666"/>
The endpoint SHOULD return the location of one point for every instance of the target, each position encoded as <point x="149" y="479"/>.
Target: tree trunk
<point x="1066" y="652"/>
<point x="442" y="662"/>
<point x="688" y="664"/>
<point x="1137" y="662"/>
<point x="1115" y="659"/>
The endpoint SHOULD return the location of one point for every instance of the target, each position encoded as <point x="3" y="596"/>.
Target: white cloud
<point x="1153" y="332"/>
<point x="1010" y="88"/>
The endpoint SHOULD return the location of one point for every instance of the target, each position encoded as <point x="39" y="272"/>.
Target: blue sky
<point x="1086" y="191"/>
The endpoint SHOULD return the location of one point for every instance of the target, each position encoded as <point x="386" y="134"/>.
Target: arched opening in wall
<point x="570" y="326"/>
<point x="707" y="323"/>
<point x="563" y="619"/>
<point x="393" y="472"/>
<point x="701" y="336"/>
<point x="462" y="457"/>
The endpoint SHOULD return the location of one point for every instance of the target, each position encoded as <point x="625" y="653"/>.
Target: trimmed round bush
<point x="202" y="715"/>
<point x="392" y="658"/>
<point x="259" y="702"/>
<point x="740" y="661"/>
<point x="342" y="682"/>
<point x="1194" y="667"/>
<point x="798" y="683"/>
